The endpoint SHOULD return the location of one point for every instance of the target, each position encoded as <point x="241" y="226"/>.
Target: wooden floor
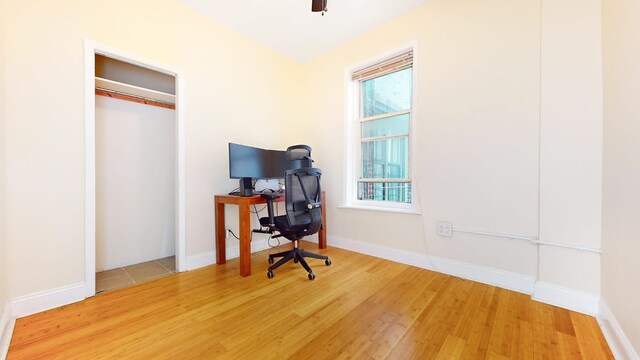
<point x="360" y="307"/>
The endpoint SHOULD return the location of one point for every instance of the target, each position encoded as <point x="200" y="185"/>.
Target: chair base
<point x="298" y="256"/>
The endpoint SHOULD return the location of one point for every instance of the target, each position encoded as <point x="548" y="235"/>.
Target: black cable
<point x="256" y="211"/>
<point x="234" y="235"/>
<point x="269" y="242"/>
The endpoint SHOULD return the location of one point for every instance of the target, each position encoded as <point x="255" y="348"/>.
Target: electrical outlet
<point x="226" y="233"/>
<point x="445" y="228"/>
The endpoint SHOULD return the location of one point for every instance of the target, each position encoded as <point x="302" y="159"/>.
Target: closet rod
<point x="134" y="98"/>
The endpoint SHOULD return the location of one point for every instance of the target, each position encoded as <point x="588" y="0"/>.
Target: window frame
<point x="353" y="120"/>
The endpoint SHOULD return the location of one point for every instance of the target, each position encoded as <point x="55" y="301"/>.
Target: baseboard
<point x="486" y="275"/>
<point x="504" y="279"/>
<point x="233" y="251"/>
<point x="7" y="323"/>
<point x="383" y="252"/>
<point x="201" y="260"/>
<point x="618" y="341"/>
<point x="5" y="316"/>
<point x="566" y="298"/>
<point x="45" y="300"/>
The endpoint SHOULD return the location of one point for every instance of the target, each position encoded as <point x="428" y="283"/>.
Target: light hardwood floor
<point x="360" y="307"/>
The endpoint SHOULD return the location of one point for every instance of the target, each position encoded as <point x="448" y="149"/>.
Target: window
<point x="382" y="128"/>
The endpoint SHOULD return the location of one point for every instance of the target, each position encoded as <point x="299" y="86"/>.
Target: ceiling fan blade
<point x="318" y="5"/>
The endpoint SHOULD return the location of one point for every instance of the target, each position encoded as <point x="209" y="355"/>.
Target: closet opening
<point x="135" y="171"/>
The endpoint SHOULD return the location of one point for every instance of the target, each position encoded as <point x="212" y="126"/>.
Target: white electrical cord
<point x="529" y="239"/>
<point x="424" y="230"/>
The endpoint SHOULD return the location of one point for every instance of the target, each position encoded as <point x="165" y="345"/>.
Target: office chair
<point x="303" y="199"/>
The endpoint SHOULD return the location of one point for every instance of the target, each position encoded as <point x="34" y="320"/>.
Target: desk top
<point x="250" y="200"/>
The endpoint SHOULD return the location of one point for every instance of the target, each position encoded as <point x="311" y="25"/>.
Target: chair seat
<point x="279" y="221"/>
<point x="281" y="224"/>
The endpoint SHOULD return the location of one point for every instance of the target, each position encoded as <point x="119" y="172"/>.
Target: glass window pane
<point x="387" y="93"/>
<point x="385" y="159"/>
<point x="393" y="192"/>
<point x="395" y="125"/>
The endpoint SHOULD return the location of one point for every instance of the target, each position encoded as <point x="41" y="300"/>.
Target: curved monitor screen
<point x="250" y="162"/>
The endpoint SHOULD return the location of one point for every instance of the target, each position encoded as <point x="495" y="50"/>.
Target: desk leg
<point x="221" y="244"/>
<point x="245" y="240"/>
<point x="322" y="234"/>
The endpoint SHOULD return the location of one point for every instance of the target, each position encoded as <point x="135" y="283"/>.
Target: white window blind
<point x="390" y="65"/>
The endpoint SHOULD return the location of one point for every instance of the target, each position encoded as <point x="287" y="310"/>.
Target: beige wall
<point x="621" y="194"/>
<point x="571" y="142"/>
<point x="229" y="98"/>
<point x="486" y="155"/>
<point x="477" y="104"/>
<point x="480" y="134"/>
<point x="135" y="183"/>
<point x="3" y="208"/>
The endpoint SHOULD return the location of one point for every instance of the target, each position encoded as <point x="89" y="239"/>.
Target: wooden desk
<point x="245" y="203"/>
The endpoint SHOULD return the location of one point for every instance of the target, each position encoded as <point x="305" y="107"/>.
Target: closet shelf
<point x="129" y="92"/>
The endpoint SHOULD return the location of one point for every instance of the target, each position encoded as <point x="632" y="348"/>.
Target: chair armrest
<point x="270" y="197"/>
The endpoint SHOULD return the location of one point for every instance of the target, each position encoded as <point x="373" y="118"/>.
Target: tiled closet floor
<point x="134" y="274"/>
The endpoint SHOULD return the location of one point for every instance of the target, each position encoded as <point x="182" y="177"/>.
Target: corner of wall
<point x="7" y="323"/>
<point x="618" y="341"/>
<point x="6" y="317"/>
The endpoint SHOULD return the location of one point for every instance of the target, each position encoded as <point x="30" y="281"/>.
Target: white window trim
<point x="352" y="139"/>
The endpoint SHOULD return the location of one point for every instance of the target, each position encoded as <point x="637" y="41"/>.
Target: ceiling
<point x="290" y="28"/>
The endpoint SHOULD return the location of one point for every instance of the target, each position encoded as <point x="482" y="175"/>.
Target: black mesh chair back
<point x="300" y="152"/>
<point x="303" y="203"/>
<point x="303" y="199"/>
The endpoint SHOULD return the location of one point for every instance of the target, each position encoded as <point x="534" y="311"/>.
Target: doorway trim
<point x="91" y="48"/>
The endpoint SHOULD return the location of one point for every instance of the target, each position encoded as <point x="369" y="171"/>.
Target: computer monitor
<point x="278" y="164"/>
<point x="249" y="163"/>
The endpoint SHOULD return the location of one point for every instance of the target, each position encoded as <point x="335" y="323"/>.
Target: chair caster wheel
<point x="271" y="260"/>
<point x="295" y="261"/>
<point x="312" y="276"/>
<point x="270" y="274"/>
<point x="327" y="262"/>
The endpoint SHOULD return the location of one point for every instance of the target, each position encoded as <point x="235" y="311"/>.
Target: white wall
<point x="227" y="95"/>
<point x="477" y="110"/>
<point x="571" y="142"/>
<point x="486" y="155"/>
<point x="135" y="182"/>
<point x="621" y="193"/>
<point x="3" y="174"/>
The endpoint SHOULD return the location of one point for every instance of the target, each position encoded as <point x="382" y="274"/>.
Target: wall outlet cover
<point x="445" y="228"/>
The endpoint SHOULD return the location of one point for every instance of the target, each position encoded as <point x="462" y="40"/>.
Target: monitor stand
<point x="246" y="187"/>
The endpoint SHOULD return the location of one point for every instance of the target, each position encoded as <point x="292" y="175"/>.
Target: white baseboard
<point x="46" y="300"/>
<point x="486" y="275"/>
<point x="201" y="260"/>
<point x="566" y="298"/>
<point x="5" y="316"/>
<point x="256" y="245"/>
<point x="504" y="279"/>
<point x="7" y="323"/>
<point x="618" y="341"/>
<point x="401" y="256"/>
<point x="233" y="251"/>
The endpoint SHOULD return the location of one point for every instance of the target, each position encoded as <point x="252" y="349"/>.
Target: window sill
<point x="381" y="209"/>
